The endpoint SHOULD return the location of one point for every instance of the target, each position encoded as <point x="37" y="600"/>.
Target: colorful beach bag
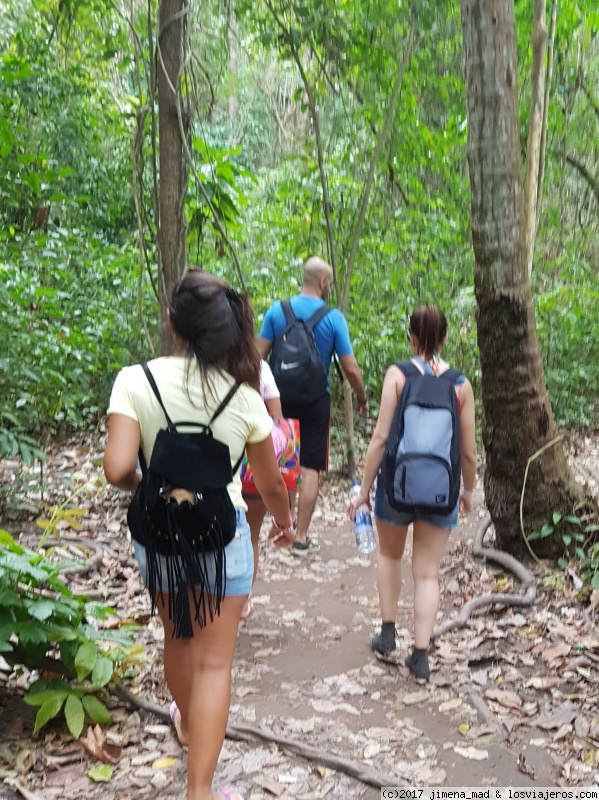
<point x="286" y="442"/>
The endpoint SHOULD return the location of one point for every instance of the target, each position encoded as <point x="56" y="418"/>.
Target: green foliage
<point x="63" y="318"/>
<point x="40" y="616"/>
<point x="215" y="196"/>
<point x="75" y="96"/>
<point x="62" y="147"/>
<point x="579" y="533"/>
<point x="569" y="332"/>
<point x="68" y="263"/>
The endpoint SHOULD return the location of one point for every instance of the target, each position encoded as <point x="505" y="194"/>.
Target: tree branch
<point x="543" y="145"/>
<point x="372" y="167"/>
<point x="326" y="200"/>
<point x="586" y="174"/>
<point x="537" y="80"/>
<point x="217" y="221"/>
<point x="592" y="102"/>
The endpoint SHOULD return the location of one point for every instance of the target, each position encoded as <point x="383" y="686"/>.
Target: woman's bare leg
<point x="255" y="517"/>
<point x="177" y="670"/>
<point x="203" y="693"/>
<point x="392" y="543"/>
<point x="428" y="546"/>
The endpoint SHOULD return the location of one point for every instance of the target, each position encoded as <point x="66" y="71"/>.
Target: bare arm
<point x="392" y="388"/>
<point x="263" y="346"/>
<point x="467" y="444"/>
<point x="270" y="484"/>
<point x="122" y="448"/>
<point x="273" y="404"/>
<point x="354" y="376"/>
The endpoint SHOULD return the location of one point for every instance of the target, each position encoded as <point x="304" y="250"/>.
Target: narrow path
<point x="512" y="702"/>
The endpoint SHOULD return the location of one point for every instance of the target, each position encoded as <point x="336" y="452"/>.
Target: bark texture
<point x="518" y="419"/>
<point x="172" y="128"/>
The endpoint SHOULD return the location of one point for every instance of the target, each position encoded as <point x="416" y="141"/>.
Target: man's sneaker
<point x="305" y="548"/>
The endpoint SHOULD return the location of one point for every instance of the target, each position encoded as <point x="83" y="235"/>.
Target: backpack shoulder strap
<point x="142" y="461"/>
<point x="224" y="403"/>
<point x="154" y="388"/>
<point x="451" y="375"/>
<point x="290" y="317"/>
<point x="409" y="369"/>
<point x="337" y="366"/>
<point x="319" y="314"/>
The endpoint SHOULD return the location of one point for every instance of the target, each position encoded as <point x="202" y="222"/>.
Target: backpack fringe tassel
<point x="190" y="574"/>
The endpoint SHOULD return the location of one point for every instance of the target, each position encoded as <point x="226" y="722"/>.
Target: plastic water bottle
<point x="363" y="530"/>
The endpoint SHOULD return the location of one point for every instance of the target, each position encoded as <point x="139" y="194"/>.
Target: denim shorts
<point x="239" y="568"/>
<point x="386" y="513"/>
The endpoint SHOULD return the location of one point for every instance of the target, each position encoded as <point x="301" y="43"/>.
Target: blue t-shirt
<point x="331" y="333"/>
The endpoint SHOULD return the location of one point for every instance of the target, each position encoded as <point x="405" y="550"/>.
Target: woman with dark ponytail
<point x="214" y="350"/>
<point x="427" y="334"/>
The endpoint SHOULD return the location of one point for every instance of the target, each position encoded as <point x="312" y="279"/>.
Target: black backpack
<point x="421" y="466"/>
<point x="181" y="509"/>
<point x="295" y="360"/>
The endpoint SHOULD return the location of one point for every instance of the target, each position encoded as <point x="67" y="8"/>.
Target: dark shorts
<point x="314" y="431"/>
<point x="384" y="511"/>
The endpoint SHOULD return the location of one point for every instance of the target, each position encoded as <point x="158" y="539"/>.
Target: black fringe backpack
<point x="182" y="510"/>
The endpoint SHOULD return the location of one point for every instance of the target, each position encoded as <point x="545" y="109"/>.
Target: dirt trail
<point x="512" y="699"/>
<point x="306" y="656"/>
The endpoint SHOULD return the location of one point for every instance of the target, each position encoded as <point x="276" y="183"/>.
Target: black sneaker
<point x="305" y="548"/>
<point x="417" y="663"/>
<point x="382" y="646"/>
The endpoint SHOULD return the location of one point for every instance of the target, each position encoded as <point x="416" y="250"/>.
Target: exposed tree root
<point x="22" y="789"/>
<point x="509" y="563"/>
<point x="247" y="733"/>
<point x="354" y="769"/>
<point x="92" y="563"/>
<point x="138" y="701"/>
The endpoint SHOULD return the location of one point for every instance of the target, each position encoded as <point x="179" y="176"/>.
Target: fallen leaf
<point x="524" y="767"/>
<point x="164" y="763"/>
<point x="473" y="753"/>
<point x="100" y="774"/>
<point x="96" y="745"/>
<point x="450" y="705"/>
<point x="562" y="716"/>
<point x="504" y="697"/>
<point x="542" y="682"/>
<point x="270" y="785"/>
<point x="413" y="698"/>
<point x="551" y="654"/>
<point x="243" y="691"/>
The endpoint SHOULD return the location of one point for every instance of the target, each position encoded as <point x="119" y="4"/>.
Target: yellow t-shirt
<point x="245" y="419"/>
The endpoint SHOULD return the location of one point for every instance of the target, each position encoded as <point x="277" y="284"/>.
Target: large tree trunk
<point x="172" y="127"/>
<point x="518" y="419"/>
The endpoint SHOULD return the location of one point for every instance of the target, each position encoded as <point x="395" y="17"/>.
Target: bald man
<point x="331" y="336"/>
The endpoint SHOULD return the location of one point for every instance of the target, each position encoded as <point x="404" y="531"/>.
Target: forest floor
<point x="513" y="698"/>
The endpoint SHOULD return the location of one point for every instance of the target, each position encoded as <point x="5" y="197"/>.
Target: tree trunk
<point x="518" y="419"/>
<point x="350" y="437"/>
<point x="172" y="126"/>
<point x="232" y="34"/>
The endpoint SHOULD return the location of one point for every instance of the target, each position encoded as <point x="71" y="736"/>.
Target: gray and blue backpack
<point x="421" y="466"/>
